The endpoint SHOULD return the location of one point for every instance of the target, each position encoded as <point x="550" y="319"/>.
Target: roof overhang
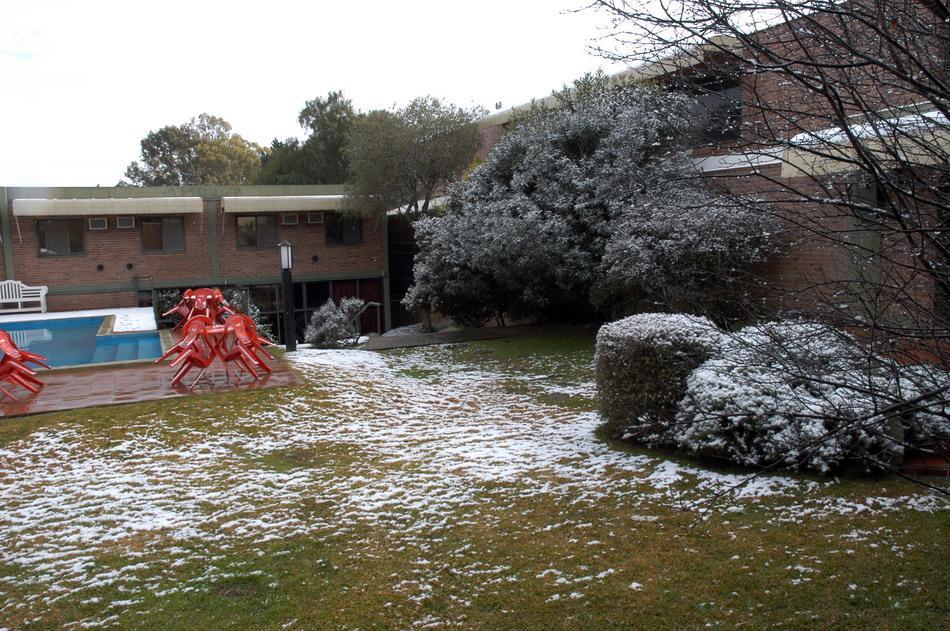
<point x="282" y="203"/>
<point x="914" y="136"/>
<point x="107" y="206"/>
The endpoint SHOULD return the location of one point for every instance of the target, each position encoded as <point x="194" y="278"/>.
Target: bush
<point x="797" y="395"/>
<point x="333" y="326"/>
<point x="805" y="395"/>
<point x="642" y="364"/>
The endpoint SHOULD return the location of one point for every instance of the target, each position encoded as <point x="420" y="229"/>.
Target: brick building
<point x="97" y="247"/>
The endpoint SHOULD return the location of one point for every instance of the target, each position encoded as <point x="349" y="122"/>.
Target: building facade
<point x="103" y="247"/>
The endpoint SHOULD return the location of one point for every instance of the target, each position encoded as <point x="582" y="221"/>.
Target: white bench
<point x="26" y="298"/>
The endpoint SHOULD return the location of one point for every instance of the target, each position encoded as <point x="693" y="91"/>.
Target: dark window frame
<point x="257" y="231"/>
<point x="720" y="124"/>
<point x="144" y="220"/>
<point x="335" y="224"/>
<point x="81" y="221"/>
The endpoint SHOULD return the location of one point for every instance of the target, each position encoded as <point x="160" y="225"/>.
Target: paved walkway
<point x="129" y="383"/>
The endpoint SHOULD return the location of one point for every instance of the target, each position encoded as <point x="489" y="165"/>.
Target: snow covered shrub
<point x="805" y="395"/>
<point x="930" y="430"/>
<point x="333" y="326"/>
<point x="642" y="363"/>
<point x="686" y="251"/>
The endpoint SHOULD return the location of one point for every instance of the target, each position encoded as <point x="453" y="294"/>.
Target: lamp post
<point x="286" y="264"/>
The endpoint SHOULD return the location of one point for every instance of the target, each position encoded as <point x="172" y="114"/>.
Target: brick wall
<point x="813" y="271"/>
<point x="71" y="302"/>
<point x="490" y="136"/>
<point x="119" y="252"/>
<point x="308" y="240"/>
<point x="114" y="250"/>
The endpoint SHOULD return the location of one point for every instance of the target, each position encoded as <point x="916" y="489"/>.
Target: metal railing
<point x="366" y="306"/>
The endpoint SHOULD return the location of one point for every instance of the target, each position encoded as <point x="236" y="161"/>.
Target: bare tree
<point x="838" y="112"/>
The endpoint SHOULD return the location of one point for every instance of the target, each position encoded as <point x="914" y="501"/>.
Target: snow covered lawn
<point x="443" y="486"/>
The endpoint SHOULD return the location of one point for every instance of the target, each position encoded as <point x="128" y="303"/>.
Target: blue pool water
<point x="73" y="341"/>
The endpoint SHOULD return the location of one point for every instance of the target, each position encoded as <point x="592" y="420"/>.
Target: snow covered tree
<point x="688" y="252"/>
<point x="525" y="234"/>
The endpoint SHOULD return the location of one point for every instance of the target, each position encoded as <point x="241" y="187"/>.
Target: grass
<point x="293" y="527"/>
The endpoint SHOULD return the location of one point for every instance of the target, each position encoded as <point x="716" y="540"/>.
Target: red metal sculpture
<point x="212" y="330"/>
<point x="14" y="369"/>
<point x="204" y="301"/>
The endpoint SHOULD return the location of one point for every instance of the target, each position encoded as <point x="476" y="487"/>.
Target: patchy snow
<point x="127" y="320"/>
<point x="429" y="454"/>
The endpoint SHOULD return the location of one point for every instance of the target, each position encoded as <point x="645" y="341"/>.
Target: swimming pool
<point x="75" y="341"/>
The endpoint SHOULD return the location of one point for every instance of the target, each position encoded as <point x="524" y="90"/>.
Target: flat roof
<point x="281" y="203"/>
<point x="31" y="207"/>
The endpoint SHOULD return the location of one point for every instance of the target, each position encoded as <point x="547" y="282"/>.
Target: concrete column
<point x="6" y="234"/>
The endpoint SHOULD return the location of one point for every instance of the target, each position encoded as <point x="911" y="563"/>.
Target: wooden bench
<point x="26" y="298"/>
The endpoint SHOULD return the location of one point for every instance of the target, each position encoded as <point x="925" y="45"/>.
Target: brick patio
<point x="69" y="389"/>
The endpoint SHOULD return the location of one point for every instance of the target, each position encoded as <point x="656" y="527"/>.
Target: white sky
<point x="83" y="82"/>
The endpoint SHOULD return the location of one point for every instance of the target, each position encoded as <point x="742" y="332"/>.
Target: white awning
<point x="107" y="206"/>
<point x="281" y="203"/>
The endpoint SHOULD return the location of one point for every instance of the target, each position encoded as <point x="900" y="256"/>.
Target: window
<point x="125" y="223"/>
<point x="716" y="112"/>
<point x="289" y="219"/>
<point x="344" y="230"/>
<point x="60" y="237"/>
<point x="98" y="223"/>
<point x="163" y="234"/>
<point x="256" y="231"/>
<point x="314" y="217"/>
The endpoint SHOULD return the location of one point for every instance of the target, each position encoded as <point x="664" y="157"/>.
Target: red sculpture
<point x="203" y="301"/>
<point x="14" y="369"/>
<point x="213" y="329"/>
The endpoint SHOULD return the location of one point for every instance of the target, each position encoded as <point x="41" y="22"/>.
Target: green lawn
<point x="462" y="485"/>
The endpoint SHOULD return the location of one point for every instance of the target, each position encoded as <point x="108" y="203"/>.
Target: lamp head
<point x="286" y="255"/>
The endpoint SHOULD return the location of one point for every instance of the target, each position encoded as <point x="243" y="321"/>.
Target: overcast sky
<point x="83" y="82"/>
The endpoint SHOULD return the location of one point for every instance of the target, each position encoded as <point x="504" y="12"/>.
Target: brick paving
<point x="69" y="389"/>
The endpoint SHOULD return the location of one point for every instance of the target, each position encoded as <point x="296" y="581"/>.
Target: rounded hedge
<point x="793" y="394"/>
<point x="641" y="366"/>
<point x="804" y="395"/>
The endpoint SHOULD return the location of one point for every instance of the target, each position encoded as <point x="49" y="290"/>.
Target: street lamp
<point x="286" y="264"/>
